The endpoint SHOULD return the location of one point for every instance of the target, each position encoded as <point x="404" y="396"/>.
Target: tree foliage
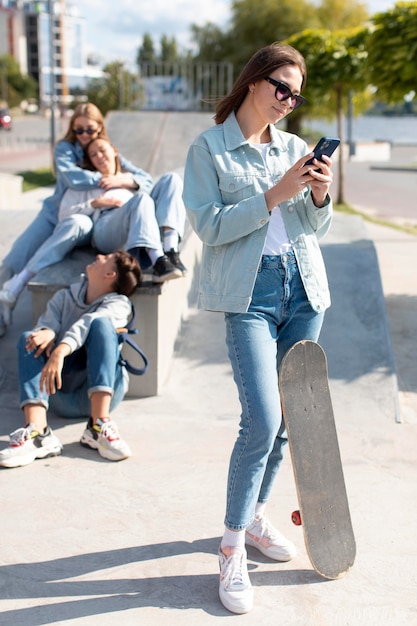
<point x="392" y="52"/>
<point x="335" y="62"/>
<point x="15" y="86"/>
<point x="112" y="91"/>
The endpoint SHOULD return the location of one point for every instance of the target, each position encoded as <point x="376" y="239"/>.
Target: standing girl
<point x="259" y="211"/>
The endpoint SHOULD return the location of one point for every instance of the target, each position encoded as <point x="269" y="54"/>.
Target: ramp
<point x="355" y="332"/>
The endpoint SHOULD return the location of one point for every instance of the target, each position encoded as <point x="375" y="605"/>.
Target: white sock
<point x="17" y="283"/>
<point x="233" y="539"/>
<point x="154" y="254"/>
<point x="170" y="239"/>
<point x="260" y="510"/>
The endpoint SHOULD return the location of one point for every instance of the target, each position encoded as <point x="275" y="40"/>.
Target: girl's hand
<point x="320" y="181"/>
<point x="41" y="341"/>
<point x="110" y="181"/>
<point x="51" y="376"/>
<point x="104" y="202"/>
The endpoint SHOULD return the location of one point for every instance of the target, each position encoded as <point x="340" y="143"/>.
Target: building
<point x="28" y="26"/>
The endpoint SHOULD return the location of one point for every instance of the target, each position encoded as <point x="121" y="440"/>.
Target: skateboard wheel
<point x="296" y="518"/>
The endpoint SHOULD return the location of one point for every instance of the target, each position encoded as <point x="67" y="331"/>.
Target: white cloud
<point x="115" y="30"/>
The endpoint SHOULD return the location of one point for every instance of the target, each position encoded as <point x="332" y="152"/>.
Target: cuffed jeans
<point x="104" y="373"/>
<point x="279" y="316"/>
<point x="132" y="225"/>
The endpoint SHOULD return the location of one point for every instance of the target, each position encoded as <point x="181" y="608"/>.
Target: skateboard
<point x="311" y="430"/>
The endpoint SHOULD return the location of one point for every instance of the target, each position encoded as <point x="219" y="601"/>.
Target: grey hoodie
<point x="70" y="317"/>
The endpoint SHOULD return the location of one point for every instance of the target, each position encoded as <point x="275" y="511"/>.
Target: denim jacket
<point x="224" y="184"/>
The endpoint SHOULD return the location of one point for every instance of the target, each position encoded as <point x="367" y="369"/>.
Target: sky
<point x="115" y="29"/>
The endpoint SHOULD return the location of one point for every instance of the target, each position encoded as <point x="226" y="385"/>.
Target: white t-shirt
<point x="277" y="241"/>
<point x="75" y="201"/>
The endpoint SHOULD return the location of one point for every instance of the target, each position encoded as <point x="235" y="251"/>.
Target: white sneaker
<point x="27" y="444"/>
<point x="268" y="540"/>
<point x="104" y="437"/>
<point x="235" y="589"/>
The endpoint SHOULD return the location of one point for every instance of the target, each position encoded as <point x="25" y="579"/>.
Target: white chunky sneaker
<point x="235" y="589"/>
<point x="104" y="437"/>
<point x="27" y="444"/>
<point x="268" y="540"/>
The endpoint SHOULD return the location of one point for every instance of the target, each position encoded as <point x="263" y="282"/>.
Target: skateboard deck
<point x="311" y="430"/>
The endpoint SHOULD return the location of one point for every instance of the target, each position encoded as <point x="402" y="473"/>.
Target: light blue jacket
<point x="224" y="184"/>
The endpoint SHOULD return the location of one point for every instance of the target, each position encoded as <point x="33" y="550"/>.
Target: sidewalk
<point x="89" y="542"/>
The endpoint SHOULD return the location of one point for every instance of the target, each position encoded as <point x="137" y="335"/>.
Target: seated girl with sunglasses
<point x="110" y="219"/>
<point x="86" y="123"/>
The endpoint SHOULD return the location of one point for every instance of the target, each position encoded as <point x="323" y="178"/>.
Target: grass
<point x="410" y="229"/>
<point x="37" y="178"/>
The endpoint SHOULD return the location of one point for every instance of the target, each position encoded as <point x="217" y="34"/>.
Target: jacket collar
<point x="234" y="138"/>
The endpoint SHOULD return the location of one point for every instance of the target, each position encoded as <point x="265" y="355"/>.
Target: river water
<point x="397" y="130"/>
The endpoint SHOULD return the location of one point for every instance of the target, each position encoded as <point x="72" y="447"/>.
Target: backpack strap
<point x="123" y="336"/>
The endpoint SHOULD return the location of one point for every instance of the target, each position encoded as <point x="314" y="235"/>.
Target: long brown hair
<point x="87" y="164"/>
<point x="93" y="113"/>
<point x="260" y="65"/>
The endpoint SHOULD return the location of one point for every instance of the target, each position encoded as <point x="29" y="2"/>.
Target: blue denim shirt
<point x="224" y="184"/>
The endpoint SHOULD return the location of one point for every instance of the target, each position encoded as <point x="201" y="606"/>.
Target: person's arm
<point x="142" y="179"/>
<point x="68" y="161"/>
<point x="114" y="306"/>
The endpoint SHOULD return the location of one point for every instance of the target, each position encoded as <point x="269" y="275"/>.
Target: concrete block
<point x="10" y="191"/>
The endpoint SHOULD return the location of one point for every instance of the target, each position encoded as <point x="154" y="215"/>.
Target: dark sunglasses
<point x="89" y="131"/>
<point x="283" y="92"/>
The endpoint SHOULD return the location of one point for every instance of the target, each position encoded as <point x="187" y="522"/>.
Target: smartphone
<point x="326" y="145"/>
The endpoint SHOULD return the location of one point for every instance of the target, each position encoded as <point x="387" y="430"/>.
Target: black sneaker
<point x="174" y="257"/>
<point x="164" y="270"/>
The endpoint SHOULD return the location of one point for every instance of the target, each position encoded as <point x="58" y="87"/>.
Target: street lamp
<point x="52" y="66"/>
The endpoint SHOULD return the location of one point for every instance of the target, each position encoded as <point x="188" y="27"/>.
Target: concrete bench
<point x="160" y="310"/>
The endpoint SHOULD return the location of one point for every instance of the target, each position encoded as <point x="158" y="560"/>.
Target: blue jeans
<point x="73" y="231"/>
<point x="169" y="205"/>
<point x="32" y="238"/>
<point x="132" y="225"/>
<point x="279" y="316"/>
<point x="104" y="373"/>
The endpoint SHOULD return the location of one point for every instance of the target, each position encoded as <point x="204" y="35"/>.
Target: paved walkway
<point x="89" y="542"/>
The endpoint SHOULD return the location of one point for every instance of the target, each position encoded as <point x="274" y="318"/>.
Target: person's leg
<point x="71" y="232"/>
<point x="252" y="344"/>
<point x="102" y="391"/>
<point x="32" y="238"/>
<point x="133" y="227"/>
<point x="169" y="205"/>
<point x="35" y="440"/>
<point x="298" y="322"/>
<point x="170" y="214"/>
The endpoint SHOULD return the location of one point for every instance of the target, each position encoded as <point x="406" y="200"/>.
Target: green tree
<point x="392" y="52"/>
<point x="146" y="53"/>
<point x="213" y="45"/>
<point x="335" y="62"/>
<point x="256" y="24"/>
<point x="169" y="49"/>
<point x="113" y="91"/>
<point x="340" y="14"/>
<point x="14" y="86"/>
